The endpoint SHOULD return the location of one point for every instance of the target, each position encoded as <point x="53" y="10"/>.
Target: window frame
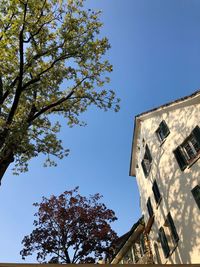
<point x="188" y="152"/>
<point x="162" y="131"/>
<point x="172" y="228"/>
<point x="157" y="253"/>
<point x="150" y="208"/>
<point x="197" y="199"/>
<point x="164" y="242"/>
<point x="188" y="144"/>
<point x="146" y="162"/>
<point x="143" y="248"/>
<point x="156" y="190"/>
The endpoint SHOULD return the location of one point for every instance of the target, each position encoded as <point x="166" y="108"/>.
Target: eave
<point x="181" y="102"/>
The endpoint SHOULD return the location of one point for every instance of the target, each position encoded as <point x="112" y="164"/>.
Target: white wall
<point x="175" y="186"/>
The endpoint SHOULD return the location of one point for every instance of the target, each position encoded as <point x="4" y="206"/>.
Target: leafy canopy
<point x="52" y="62"/>
<point x="70" y="228"/>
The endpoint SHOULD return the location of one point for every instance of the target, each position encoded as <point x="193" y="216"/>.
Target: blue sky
<point x="156" y="58"/>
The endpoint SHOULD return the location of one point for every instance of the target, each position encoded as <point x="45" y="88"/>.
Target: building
<point x="132" y="247"/>
<point x="165" y="159"/>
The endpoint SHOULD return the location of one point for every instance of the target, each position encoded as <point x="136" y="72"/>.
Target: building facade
<point x="133" y="247"/>
<point x="165" y="160"/>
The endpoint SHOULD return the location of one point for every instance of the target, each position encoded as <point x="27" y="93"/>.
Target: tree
<point x="70" y="228"/>
<point x="52" y="62"/>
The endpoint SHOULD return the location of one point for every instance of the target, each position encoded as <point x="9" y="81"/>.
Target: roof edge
<point x="132" y="171"/>
<point x="176" y="101"/>
<point x="133" y="147"/>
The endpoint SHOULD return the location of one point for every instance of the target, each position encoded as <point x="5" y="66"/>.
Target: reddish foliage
<point x="70" y="228"/>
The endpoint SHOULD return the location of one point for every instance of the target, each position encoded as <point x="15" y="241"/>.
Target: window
<point x="158" y="258"/>
<point x="196" y="194"/>
<point x="188" y="150"/>
<point x="128" y="258"/>
<point x="168" y="236"/>
<point x="149" y="207"/>
<point x="135" y="251"/>
<point x="170" y="223"/>
<point x="164" y="242"/>
<point x="163" y="131"/>
<point x="143" y="248"/>
<point x="156" y="192"/>
<point x="146" y="162"/>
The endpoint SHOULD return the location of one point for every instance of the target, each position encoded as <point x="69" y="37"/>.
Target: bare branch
<point x="38" y="31"/>
<point x="57" y="103"/>
<point x="75" y="252"/>
<point x="8" y="25"/>
<point x="57" y="253"/>
<point x="32" y="35"/>
<point x="41" y="54"/>
<point x="36" y="79"/>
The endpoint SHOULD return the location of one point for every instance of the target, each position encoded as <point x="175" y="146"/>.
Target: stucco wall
<point x="175" y="185"/>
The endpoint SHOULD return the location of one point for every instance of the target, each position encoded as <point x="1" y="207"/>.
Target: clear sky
<point x="156" y="57"/>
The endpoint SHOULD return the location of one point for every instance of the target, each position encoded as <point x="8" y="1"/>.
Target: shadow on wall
<point x="175" y="185"/>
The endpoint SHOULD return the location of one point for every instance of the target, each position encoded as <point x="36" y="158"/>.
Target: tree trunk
<point x="67" y="256"/>
<point x="4" y="164"/>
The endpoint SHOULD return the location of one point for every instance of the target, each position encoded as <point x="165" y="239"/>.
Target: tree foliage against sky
<point x="52" y="62"/>
<point x="70" y="228"/>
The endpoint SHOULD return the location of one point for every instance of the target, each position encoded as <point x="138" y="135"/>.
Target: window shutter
<point x="164" y="242"/>
<point x="196" y="194"/>
<point x="164" y="128"/>
<point x="156" y="192"/>
<point x="174" y="234"/>
<point x="149" y="207"/>
<point x="148" y="154"/>
<point x="157" y="253"/>
<point x="196" y="132"/>
<point x="182" y="162"/>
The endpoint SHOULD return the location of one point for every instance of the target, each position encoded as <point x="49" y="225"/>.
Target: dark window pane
<point x="147" y="165"/>
<point x="172" y="227"/>
<point x="163" y="131"/>
<point x="189" y="149"/>
<point x="194" y="143"/>
<point x="144" y="168"/>
<point x="156" y="192"/>
<point x="164" y="242"/>
<point x="160" y="135"/>
<point x="196" y="194"/>
<point x="196" y="133"/>
<point x="149" y="207"/>
<point x="182" y="162"/>
<point x="164" y="128"/>
<point x="148" y="154"/>
<point x="146" y="162"/>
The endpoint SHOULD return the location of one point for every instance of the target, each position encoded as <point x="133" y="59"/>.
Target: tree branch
<point x="39" y="55"/>
<point x="8" y="25"/>
<point x="57" y="103"/>
<point x="75" y="252"/>
<point x="1" y="87"/>
<point x="21" y="65"/>
<point x="67" y="256"/>
<point x="36" y="79"/>
<point x="57" y="253"/>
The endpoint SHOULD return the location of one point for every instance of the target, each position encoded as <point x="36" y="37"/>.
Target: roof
<point x="151" y="112"/>
<point x="197" y="92"/>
